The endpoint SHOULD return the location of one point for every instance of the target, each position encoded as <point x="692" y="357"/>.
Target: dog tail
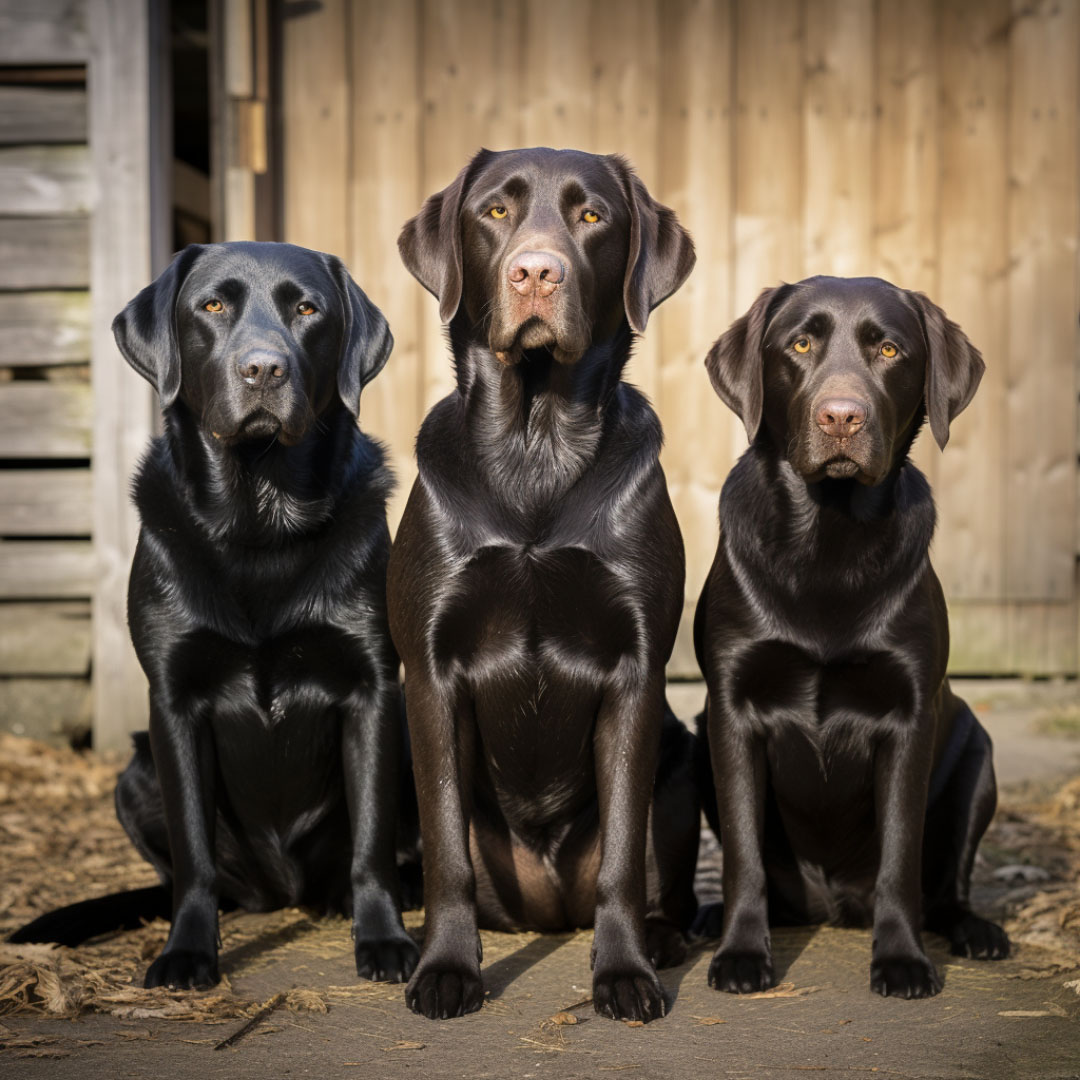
<point x="77" y="923"/>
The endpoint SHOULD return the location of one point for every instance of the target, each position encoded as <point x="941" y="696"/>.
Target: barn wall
<point x="46" y="556"/>
<point x="76" y="191"/>
<point x="934" y="144"/>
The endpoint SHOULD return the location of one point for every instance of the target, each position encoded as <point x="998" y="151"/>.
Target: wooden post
<point x="126" y="245"/>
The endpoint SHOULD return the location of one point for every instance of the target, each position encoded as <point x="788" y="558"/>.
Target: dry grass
<point x="60" y="842"/>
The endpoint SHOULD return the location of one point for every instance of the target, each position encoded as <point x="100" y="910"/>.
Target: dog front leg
<point x="743" y="962"/>
<point x="370" y="751"/>
<point x="899" y="965"/>
<point x="185" y="763"/>
<point x="446" y="981"/>
<point x="625" y="984"/>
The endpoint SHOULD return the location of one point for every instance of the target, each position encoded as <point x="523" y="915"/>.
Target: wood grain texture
<point x="42" y="114"/>
<point x="625" y="65"/>
<point x="45" y="502"/>
<point x="46" y="569"/>
<point x="1013" y="638"/>
<point x="316" y="128"/>
<point x="44" y="253"/>
<point x="969" y="483"/>
<point x="907" y="158"/>
<point x="44" y="32"/>
<point x="838" y="160"/>
<point x="696" y="180"/>
<point x="471" y="93"/>
<point x="45" y="638"/>
<point x="558" y="110"/>
<point x="931" y="142"/>
<point x="1040" y="420"/>
<point x="45" y="420"/>
<point x="50" y="709"/>
<point x="127" y="246"/>
<point x="43" y="328"/>
<point x="385" y="110"/>
<point x="44" y="180"/>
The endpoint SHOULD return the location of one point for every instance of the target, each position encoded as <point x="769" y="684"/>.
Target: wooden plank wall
<point x="932" y="142"/>
<point x="46" y="556"/>
<point x="77" y="202"/>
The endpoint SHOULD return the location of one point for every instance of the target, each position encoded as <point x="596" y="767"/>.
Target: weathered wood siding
<point x="932" y="143"/>
<point x="75" y="228"/>
<point x="46" y="556"/>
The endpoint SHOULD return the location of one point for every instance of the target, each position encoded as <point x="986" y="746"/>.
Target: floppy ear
<point x="954" y="368"/>
<point x="366" y="342"/>
<point x="145" y="331"/>
<point x="661" y="252"/>
<point x="430" y="243"/>
<point x="736" y="363"/>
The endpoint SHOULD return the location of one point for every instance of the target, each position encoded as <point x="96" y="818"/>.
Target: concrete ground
<point x="1016" y="1018"/>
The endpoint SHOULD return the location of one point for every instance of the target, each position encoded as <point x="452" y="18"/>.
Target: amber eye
<point x="214" y="305"/>
<point x="888" y="350"/>
<point x="305" y="308"/>
<point x="802" y="345"/>
<point x="498" y="212"/>
<point x="591" y="216"/>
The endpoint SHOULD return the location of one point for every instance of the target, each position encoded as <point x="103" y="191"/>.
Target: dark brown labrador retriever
<point x="536" y="582"/>
<point x="852" y="785"/>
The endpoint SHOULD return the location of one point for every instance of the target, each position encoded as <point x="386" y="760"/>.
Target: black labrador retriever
<point x="852" y="785"/>
<point x="536" y="582"/>
<point x="274" y="771"/>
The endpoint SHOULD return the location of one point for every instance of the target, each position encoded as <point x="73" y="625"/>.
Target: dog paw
<point x="387" y="961"/>
<point x="442" y="990"/>
<point x="629" y="995"/>
<point x="741" y="972"/>
<point x="905" y="977"/>
<point x="183" y="969"/>
<point x="665" y="945"/>
<point x="978" y="938"/>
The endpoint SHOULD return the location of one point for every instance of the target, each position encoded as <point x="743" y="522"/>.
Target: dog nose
<point x="263" y="369"/>
<point x="539" y="272"/>
<point x="840" y="417"/>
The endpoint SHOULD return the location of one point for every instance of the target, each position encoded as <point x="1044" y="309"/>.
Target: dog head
<point x="552" y="249"/>
<point x="256" y="339"/>
<point x="840" y="372"/>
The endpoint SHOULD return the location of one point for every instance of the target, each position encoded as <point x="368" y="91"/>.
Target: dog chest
<point x="294" y="680"/>
<point x="523" y="607"/>
<point x="820" y="718"/>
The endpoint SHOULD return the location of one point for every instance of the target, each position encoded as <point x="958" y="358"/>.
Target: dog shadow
<point x="503" y="972"/>
<point x="231" y="960"/>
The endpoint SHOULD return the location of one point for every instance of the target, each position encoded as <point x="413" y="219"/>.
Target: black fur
<point x="823" y="635"/>
<point x="275" y="771"/>
<point x="536" y="584"/>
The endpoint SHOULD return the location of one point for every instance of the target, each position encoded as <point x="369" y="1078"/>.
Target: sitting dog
<point x="274" y="767"/>
<point x="536" y="583"/>
<point x="852" y="785"/>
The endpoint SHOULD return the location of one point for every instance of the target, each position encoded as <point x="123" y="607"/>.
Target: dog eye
<point x="214" y="305"/>
<point x="802" y="345"/>
<point x="591" y="216"/>
<point x="888" y="350"/>
<point x="305" y="308"/>
<point x="498" y="212"/>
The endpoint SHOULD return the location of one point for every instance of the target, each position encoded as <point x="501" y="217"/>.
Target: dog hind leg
<point x="955" y="823"/>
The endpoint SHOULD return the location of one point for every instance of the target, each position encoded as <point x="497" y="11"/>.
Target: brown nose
<point x="536" y="272"/>
<point x="262" y="369"/>
<point x="840" y="417"/>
